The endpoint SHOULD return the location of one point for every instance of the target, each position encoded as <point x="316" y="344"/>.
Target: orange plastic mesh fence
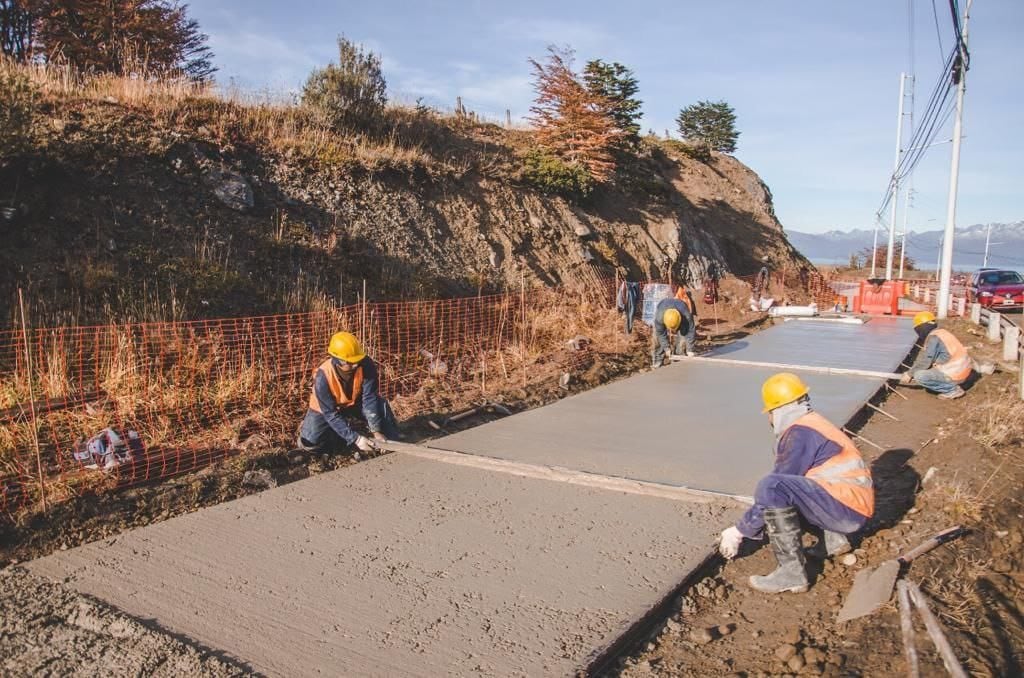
<point x="196" y="392"/>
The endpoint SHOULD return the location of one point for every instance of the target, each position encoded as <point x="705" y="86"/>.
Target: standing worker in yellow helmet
<point x="672" y="317"/>
<point x="943" y="363"/>
<point x="819" y="475"/>
<point x="344" y="385"/>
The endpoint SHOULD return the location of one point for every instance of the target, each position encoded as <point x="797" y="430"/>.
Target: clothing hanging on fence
<point x="627" y="301"/>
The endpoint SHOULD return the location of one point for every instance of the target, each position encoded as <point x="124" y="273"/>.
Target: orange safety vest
<point x="334" y="383"/>
<point x="844" y="476"/>
<point x="682" y="296"/>
<point x="958" y="367"/>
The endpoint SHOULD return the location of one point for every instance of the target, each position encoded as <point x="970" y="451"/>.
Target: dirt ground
<point x="944" y="463"/>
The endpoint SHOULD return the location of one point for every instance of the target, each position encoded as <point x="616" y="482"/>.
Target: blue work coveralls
<point x="325" y="429"/>
<point x="798" y="450"/>
<point x="687" y="332"/>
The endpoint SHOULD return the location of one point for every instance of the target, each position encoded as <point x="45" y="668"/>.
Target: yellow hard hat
<point x="924" y="317"/>
<point x="673" y="319"/>
<point x="345" y="346"/>
<point x="781" y="389"/>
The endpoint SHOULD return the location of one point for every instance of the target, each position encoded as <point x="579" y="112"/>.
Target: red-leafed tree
<point x="573" y="123"/>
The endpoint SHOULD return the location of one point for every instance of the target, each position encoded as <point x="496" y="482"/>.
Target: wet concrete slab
<point x="404" y="566"/>
<point x="695" y="425"/>
<point x="879" y="345"/>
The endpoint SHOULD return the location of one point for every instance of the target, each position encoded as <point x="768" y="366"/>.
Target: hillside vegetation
<point x="135" y="198"/>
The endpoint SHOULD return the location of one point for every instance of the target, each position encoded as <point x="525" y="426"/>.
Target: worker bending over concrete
<point x="943" y="363"/>
<point x="672" y="317"/>
<point x="346" y="384"/>
<point x="819" y="475"/>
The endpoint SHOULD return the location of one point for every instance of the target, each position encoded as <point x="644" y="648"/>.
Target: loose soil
<point x="933" y="474"/>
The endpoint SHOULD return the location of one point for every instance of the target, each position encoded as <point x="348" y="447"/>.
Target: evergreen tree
<point x="618" y="86"/>
<point x="711" y="124"/>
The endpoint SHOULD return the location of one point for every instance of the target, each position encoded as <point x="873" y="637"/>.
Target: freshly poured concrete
<point x="878" y="345"/>
<point x="401" y="566"/>
<point x="412" y="566"/>
<point x="695" y="425"/>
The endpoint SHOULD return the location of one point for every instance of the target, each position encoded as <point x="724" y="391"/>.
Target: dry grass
<point x="402" y="136"/>
<point x="955" y="589"/>
<point x="998" y="421"/>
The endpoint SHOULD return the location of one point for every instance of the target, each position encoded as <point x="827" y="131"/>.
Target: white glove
<point x="365" y="444"/>
<point x="906" y="378"/>
<point x="689" y="353"/>
<point x="729" y="545"/>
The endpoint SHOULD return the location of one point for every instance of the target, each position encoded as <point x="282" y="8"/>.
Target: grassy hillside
<point x="131" y="199"/>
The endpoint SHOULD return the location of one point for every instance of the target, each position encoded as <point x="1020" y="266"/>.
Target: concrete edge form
<point x="566" y="475"/>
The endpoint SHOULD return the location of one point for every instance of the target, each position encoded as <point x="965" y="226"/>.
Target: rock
<point x="793" y="636"/>
<point x="259" y="479"/>
<point x="231" y="188"/>
<point x="796" y="663"/>
<point x="813" y="655"/>
<point x="849" y="560"/>
<point x="701" y="636"/>
<point x="726" y="629"/>
<point x="786" y="652"/>
<point x="672" y="626"/>
<point x="563" y="381"/>
<point x="1002" y="566"/>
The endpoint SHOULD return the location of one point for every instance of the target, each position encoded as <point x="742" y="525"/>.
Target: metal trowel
<point x="872" y="587"/>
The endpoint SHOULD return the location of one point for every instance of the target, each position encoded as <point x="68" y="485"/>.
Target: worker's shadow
<point x="896" y="483"/>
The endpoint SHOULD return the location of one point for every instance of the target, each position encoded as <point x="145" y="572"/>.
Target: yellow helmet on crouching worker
<point x="672" y="319"/>
<point x="924" y="317"/>
<point x="345" y="346"/>
<point x="781" y="389"/>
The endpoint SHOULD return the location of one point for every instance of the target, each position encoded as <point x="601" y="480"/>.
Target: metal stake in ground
<point x="32" y="402"/>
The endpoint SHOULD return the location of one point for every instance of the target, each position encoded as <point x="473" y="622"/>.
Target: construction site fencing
<point x="198" y="392"/>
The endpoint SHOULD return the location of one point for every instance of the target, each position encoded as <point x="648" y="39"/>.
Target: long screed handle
<point x="936" y="541"/>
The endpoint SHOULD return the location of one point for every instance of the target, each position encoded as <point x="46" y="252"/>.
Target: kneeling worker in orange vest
<point x="819" y="475"/>
<point x="346" y="384"/>
<point x="943" y="363"/>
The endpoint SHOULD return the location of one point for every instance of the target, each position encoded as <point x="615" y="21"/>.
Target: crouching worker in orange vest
<point x="819" y="475"/>
<point x="346" y="384"/>
<point x="943" y="363"/>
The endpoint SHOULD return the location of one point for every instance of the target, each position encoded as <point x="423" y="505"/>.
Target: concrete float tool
<point x="872" y="587"/>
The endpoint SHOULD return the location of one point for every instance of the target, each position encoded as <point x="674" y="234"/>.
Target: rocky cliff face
<point x="123" y="213"/>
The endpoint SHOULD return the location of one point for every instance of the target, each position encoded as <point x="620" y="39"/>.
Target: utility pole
<point x="946" y="274"/>
<point x="895" y="182"/>
<point x="903" y="239"/>
<point x="988" y="239"/>
<point x="874" y="247"/>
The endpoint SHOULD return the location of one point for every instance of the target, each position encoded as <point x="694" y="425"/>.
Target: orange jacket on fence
<point x="683" y="295"/>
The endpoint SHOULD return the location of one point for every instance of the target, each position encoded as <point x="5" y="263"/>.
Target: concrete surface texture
<point x="404" y="566"/>
<point x="878" y="345"/>
<point x="695" y="425"/>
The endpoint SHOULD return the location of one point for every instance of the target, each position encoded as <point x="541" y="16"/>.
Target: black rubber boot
<point x="830" y="544"/>
<point x="783" y="525"/>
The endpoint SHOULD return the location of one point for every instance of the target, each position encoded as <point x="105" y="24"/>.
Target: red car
<point x="996" y="288"/>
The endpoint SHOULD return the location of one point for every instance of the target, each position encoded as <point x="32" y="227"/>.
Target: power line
<point x="938" y="33"/>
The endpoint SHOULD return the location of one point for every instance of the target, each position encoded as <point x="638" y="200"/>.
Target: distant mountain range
<point x="1006" y="248"/>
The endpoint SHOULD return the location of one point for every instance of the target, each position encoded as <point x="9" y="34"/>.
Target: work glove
<point x="729" y="545"/>
<point x="690" y="354"/>
<point x="380" y="437"/>
<point x="365" y="444"/>
<point x="906" y="378"/>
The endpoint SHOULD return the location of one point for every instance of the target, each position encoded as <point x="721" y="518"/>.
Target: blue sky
<point x="814" y="84"/>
